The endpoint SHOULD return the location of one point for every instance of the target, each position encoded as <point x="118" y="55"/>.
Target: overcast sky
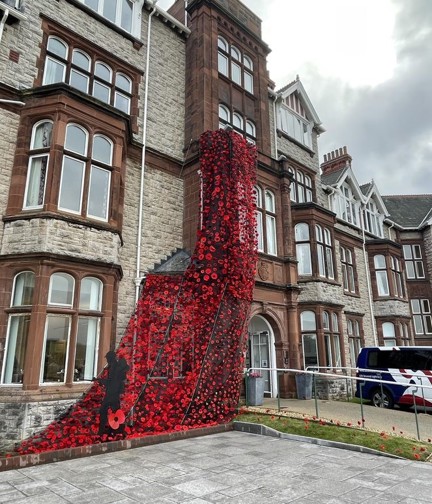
<point x="367" y="68"/>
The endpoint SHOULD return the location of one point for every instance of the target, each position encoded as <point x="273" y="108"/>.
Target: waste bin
<point x="304" y="385"/>
<point x="255" y="390"/>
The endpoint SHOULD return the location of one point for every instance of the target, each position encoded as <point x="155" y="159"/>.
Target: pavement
<point x="391" y="421"/>
<point x="231" y="467"/>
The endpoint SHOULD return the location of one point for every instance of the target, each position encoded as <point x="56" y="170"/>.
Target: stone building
<point x="100" y="115"/>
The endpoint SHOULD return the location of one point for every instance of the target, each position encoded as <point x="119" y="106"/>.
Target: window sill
<point x="352" y="294"/>
<point x="306" y="279"/>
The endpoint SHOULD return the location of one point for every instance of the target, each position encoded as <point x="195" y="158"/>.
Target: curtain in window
<point x="16" y="347"/>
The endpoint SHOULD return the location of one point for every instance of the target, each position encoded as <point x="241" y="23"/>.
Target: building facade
<point x="101" y="108"/>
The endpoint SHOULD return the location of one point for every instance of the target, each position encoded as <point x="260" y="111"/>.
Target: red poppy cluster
<point x="185" y="343"/>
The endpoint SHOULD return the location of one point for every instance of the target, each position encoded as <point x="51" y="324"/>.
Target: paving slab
<point x="237" y="468"/>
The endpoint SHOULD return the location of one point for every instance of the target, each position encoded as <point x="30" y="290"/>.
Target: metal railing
<point x="348" y="377"/>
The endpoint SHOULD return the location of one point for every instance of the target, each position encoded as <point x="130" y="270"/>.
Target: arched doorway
<point x="261" y="352"/>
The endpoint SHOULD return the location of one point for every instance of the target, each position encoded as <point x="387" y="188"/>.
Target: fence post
<point x="415" y="412"/>
<point x="361" y="385"/>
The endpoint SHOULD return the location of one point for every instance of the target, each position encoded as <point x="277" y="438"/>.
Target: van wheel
<point x="382" y="399"/>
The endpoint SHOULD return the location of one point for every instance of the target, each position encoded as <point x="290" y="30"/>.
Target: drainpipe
<point x="186" y="19"/>
<point x="3" y="22"/>
<point x="368" y="280"/>
<point x="144" y="140"/>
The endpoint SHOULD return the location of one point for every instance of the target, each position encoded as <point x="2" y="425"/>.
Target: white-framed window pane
<point x="55" y="71"/>
<point x="57" y="47"/>
<point x="415" y="306"/>
<point x="81" y="60"/>
<point x="93" y="4"/>
<point x="418" y="324"/>
<point x="248" y="82"/>
<point x="235" y="53"/>
<point x="236" y="73"/>
<point x="270" y="202"/>
<point x="237" y="121"/>
<point x="57" y="330"/>
<point x="79" y="81"/>
<point x="42" y="135"/>
<point x="36" y="182"/>
<point x="304" y="259"/>
<point x="109" y="10"/>
<point x="76" y="139"/>
<point x="379" y="261"/>
<point x="15" y="349"/>
<point x="86" y="348"/>
<point x="250" y="128"/>
<point x="337" y="352"/>
<point x="91" y="294"/>
<point x="102" y="150"/>
<point x="382" y="283"/>
<point x="123" y="83"/>
<point x="61" y="290"/>
<point x="260" y="237"/>
<point x="247" y="62"/>
<point x="71" y="185"/>
<point x="126" y="15"/>
<point x="122" y="102"/>
<point x="321" y="261"/>
<point x="103" y="71"/>
<point x="223" y="64"/>
<point x="23" y="289"/>
<point x="308" y="321"/>
<point x="328" y="349"/>
<point x="302" y="232"/>
<point x="419" y="269"/>
<point x="101" y="92"/>
<point x="271" y="234"/>
<point x="329" y="262"/>
<point x="223" y="44"/>
<point x="310" y="350"/>
<point x="98" y="199"/>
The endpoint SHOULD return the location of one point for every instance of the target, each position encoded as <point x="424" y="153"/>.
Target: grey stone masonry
<point x="21" y="420"/>
<point x="8" y="133"/>
<point x="60" y="237"/>
<point x="161" y="229"/>
<point x="303" y="156"/>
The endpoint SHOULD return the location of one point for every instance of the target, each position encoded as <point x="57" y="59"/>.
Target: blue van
<point x="406" y="366"/>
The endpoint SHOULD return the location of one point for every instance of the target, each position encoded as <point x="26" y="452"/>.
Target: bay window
<point x="332" y="345"/>
<point x="325" y="252"/>
<point x="78" y="160"/>
<point x="72" y="329"/>
<point x="389" y="334"/>
<point x="297" y="127"/>
<point x="373" y="220"/>
<point x="309" y="339"/>
<point x="87" y="73"/>
<point x="18" y="328"/>
<point x="266" y="220"/>
<point x="119" y="12"/>
<point x="34" y="195"/>
<point x="303" y="249"/>
<point x="301" y="186"/>
<point x="381" y="275"/>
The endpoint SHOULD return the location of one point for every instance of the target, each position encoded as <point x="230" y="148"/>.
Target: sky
<point x="366" y="66"/>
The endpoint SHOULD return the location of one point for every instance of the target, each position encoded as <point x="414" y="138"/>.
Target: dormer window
<point x="346" y="205"/>
<point x="373" y="220"/>
<point x="119" y="12"/>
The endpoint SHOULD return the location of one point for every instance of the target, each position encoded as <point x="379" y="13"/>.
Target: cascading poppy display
<point x="179" y="363"/>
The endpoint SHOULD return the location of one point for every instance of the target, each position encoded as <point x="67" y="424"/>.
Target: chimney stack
<point x="335" y="161"/>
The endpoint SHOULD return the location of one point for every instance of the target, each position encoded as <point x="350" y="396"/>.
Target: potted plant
<point x="254" y="388"/>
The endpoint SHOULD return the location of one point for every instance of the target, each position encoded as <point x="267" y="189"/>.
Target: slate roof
<point x="176" y="263"/>
<point x="365" y="188"/>
<point x="333" y="177"/>
<point x="409" y="211"/>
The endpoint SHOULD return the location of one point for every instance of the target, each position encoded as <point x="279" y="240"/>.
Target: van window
<point x="401" y="359"/>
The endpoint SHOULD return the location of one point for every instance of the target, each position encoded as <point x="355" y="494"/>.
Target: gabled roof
<point x="338" y="177"/>
<point x="370" y="191"/>
<point x="296" y="85"/>
<point x="409" y="211"/>
<point x="333" y="178"/>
